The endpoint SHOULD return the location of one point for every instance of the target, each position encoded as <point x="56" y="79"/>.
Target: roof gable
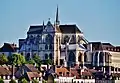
<point x="8" y="48"/>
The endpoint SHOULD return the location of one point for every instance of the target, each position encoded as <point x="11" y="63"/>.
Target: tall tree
<point x="31" y="61"/>
<point x="17" y="59"/>
<point x="37" y="60"/>
<point x="48" y="62"/>
<point x="3" y="59"/>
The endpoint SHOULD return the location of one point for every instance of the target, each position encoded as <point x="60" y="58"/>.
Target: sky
<point x="98" y="19"/>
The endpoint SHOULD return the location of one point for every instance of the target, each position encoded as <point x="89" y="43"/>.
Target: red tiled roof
<point x="92" y="70"/>
<point x="86" y="73"/>
<point x="74" y="72"/>
<point x="31" y="68"/>
<point x="32" y="75"/>
<point x="5" y="71"/>
<point x="63" y="70"/>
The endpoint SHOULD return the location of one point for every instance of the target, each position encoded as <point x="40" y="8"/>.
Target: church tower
<point x="57" y="22"/>
<point x="57" y="39"/>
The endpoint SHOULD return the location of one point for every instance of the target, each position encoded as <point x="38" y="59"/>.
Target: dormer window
<point x="46" y="47"/>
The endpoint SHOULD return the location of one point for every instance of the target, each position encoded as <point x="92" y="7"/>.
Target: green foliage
<point x="48" y="62"/>
<point x="12" y="81"/>
<point x="55" y="82"/>
<point x="31" y="61"/>
<point x="37" y="59"/>
<point x="3" y="59"/>
<point x="24" y="80"/>
<point x="17" y="59"/>
<point x="35" y="81"/>
<point x="1" y="80"/>
<point x="44" y="81"/>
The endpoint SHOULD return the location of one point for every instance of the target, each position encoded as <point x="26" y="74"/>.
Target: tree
<point x="12" y="81"/>
<point x="35" y="81"/>
<point x="37" y="60"/>
<point x="31" y="61"/>
<point x="24" y="80"/>
<point x="48" y="62"/>
<point x="1" y="80"/>
<point x="17" y="59"/>
<point x="3" y="59"/>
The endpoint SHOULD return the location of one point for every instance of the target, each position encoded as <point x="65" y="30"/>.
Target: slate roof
<point x="69" y="29"/>
<point x="37" y="29"/>
<point x="8" y="48"/>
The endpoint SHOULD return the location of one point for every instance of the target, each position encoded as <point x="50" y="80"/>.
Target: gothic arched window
<point x="80" y="57"/>
<point x="50" y="56"/>
<point x="50" y="46"/>
<point x="49" y="38"/>
<point x="73" y="39"/>
<point x="46" y="46"/>
<point x="79" y="39"/>
<point x="96" y="57"/>
<point x="101" y="57"/>
<point x="46" y="56"/>
<point x="85" y="57"/>
<point x="71" y="57"/>
<point x="66" y="39"/>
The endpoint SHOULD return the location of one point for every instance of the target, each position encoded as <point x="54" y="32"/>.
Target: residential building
<point x="8" y="49"/>
<point x="106" y="57"/>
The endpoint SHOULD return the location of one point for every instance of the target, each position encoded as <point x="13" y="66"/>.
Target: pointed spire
<point x="57" y="16"/>
<point x="43" y="24"/>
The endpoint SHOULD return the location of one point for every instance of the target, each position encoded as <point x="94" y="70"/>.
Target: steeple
<point x="43" y="24"/>
<point x="57" y="17"/>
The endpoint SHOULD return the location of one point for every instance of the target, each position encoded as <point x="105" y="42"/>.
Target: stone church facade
<point x="64" y="44"/>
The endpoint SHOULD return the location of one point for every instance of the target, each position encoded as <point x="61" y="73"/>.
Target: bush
<point x="44" y="81"/>
<point x="12" y="81"/>
<point x="35" y="81"/>
<point x="24" y="80"/>
<point x="1" y="80"/>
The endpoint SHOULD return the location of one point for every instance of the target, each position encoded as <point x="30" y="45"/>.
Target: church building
<point x="64" y="44"/>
